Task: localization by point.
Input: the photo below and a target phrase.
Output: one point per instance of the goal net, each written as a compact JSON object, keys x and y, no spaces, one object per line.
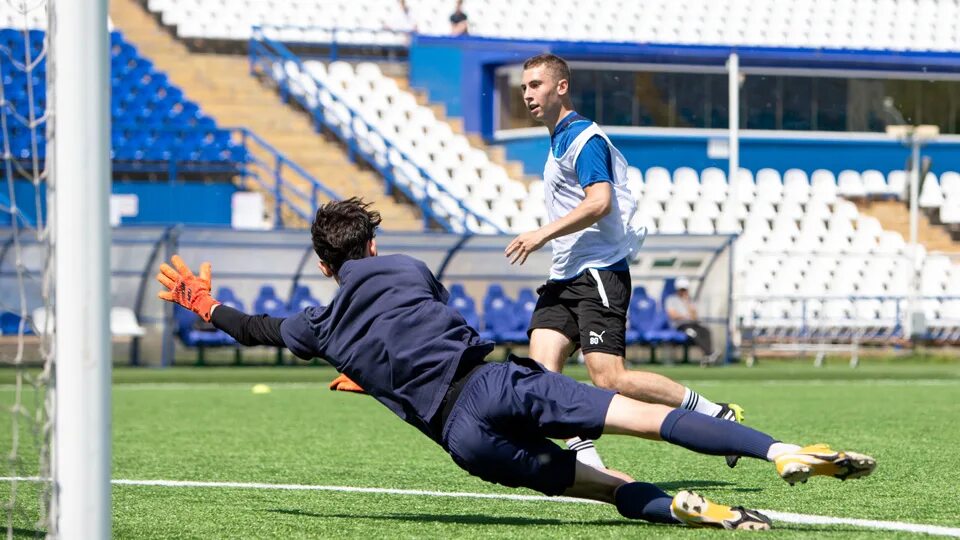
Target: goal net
{"x":54,"y":282}
{"x":26,"y":286}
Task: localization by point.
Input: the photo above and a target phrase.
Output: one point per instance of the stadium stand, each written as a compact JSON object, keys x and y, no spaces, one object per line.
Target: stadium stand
{"x":222,"y":85}
{"x":152,"y":119}
{"x":451,"y":180}
{"x":895,"y":25}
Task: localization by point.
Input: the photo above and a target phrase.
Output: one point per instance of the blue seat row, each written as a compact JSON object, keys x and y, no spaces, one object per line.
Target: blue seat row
{"x":140,"y":96}
{"x":506,"y":320}
{"x":193,"y":332}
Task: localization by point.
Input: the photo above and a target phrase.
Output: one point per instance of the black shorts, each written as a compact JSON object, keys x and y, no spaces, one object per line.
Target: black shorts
{"x":591,"y":310}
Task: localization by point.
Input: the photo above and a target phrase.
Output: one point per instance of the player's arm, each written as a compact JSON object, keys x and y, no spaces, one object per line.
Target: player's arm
{"x":595,"y":205}
{"x":193,"y":292}
{"x":248,"y":330}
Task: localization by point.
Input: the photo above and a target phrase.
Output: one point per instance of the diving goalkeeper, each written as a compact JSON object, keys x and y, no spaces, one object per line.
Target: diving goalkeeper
{"x":389,"y":329}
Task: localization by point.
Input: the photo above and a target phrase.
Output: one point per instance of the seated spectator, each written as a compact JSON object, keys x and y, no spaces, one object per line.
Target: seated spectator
{"x":683,"y":314}
{"x":458,"y":21}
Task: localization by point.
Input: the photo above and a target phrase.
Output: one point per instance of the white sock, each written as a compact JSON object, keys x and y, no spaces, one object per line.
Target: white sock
{"x":695,"y":402}
{"x":586,"y":452}
{"x":779,"y":448}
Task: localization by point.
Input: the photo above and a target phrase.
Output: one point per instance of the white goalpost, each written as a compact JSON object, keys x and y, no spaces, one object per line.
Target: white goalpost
{"x":79,"y":192}
{"x":55,"y":267}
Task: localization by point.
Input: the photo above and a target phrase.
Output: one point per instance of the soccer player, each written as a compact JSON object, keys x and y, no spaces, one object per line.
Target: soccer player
{"x":584,"y":303}
{"x":389,"y":329}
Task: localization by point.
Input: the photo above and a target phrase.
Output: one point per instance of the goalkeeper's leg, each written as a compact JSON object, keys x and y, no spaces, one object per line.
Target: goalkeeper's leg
{"x":709,"y":435}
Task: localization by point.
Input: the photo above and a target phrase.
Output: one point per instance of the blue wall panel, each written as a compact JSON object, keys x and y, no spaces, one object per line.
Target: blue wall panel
{"x":189,"y":203}
{"x":159,"y":203}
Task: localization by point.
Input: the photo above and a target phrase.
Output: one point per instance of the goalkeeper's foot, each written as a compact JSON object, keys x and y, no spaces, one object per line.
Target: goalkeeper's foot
{"x":821,"y":460}
{"x":694,"y":510}
{"x":733,"y":413}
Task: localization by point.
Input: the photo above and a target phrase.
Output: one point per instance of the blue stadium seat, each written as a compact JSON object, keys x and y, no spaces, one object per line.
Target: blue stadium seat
{"x":500,"y":317}
{"x":194,"y":332}
{"x":465,"y":305}
{"x":140,"y":96}
{"x":227,"y":297}
{"x":641,"y":316}
{"x":269,"y":303}
{"x":526,"y":304}
{"x":10,"y":324}
{"x":301,"y":299}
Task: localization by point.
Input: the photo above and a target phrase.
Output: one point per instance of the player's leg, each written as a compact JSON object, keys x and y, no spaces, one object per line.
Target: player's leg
{"x":601,"y":299}
{"x":708,"y":435}
{"x":514,"y":455}
{"x":553,"y":338}
{"x":642,"y":500}
{"x":550,"y":347}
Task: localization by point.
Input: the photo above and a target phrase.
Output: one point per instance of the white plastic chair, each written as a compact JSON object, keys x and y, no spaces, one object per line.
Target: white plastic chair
{"x":850,"y":185}
{"x":930,"y":194}
{"x":123,"y":322}
{"x":713,"y":184}
{"x":769,"y":186}
{"x":874,"y":183}
{"x":823,"y":186}
{"x":897,"y":184}
{"x":658,"y":186}
{"x":686,"y":185}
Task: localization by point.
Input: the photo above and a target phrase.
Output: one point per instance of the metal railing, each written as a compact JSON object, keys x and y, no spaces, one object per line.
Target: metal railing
{"x":292,"y":187}
{"x":399,"y":171}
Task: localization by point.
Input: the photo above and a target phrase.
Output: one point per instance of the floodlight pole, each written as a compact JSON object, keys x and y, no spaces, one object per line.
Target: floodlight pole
{"x":733,"y":106}
{"x":81,"y":236}
{"x":915,"y":136}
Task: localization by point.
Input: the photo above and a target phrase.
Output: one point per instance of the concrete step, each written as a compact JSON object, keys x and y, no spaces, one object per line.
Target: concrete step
{"x":895,"y":216}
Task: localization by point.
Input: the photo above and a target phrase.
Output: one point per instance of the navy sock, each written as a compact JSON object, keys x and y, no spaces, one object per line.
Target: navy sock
{"x":640,"y":500}
{"x":709,"y":435}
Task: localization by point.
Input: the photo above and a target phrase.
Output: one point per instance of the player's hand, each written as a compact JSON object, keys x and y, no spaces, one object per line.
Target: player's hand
{"x":522,"y":246}
{"x":345,"y":384}
{"x":186,"y":289}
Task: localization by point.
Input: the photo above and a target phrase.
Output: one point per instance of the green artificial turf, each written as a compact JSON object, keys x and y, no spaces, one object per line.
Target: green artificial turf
{"x":205,"y":424}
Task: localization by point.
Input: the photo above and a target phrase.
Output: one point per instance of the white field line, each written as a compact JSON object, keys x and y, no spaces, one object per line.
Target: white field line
{"x":786,"y":517}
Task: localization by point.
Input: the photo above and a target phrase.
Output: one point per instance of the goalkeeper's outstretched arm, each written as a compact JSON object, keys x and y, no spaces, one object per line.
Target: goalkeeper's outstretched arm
{"x":193,"y":292}
{"x":248,"y":330}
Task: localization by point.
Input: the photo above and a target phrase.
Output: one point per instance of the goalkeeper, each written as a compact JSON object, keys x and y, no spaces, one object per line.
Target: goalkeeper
{"x":389,"y":329}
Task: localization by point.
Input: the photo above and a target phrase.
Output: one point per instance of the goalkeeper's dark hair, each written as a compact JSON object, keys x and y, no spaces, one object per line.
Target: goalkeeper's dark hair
{"x":341,"y":231}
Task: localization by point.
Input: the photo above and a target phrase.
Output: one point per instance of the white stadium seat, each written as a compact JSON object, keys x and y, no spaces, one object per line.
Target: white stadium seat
{"x":889,"y":25}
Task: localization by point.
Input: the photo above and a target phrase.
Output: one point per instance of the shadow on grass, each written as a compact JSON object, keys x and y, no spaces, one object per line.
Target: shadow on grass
{"x":476,"y":519}
{"x":458,"y":519}
{"x":19,"y":532}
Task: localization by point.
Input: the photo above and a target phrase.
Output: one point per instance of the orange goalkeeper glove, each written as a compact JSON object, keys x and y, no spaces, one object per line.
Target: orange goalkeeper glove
{"x":186,"y":289}
{"x":344,"y":384}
